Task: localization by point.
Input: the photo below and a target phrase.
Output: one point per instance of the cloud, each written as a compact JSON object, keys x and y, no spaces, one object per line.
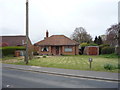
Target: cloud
{"x":58,"y":16}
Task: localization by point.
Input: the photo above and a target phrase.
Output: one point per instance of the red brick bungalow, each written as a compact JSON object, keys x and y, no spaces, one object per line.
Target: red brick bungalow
{"x":56,"y":45}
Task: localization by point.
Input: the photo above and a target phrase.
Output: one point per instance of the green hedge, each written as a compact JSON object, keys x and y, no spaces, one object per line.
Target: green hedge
{"x":92,"y":44}
{"x":102,"y":46}
{"x":107,"y":50}
{"x":88,"y":44}
{"x":10,"y":50}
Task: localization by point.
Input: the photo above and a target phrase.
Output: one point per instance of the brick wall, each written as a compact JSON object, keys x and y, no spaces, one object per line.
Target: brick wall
{"x":52,"y":50}
{"x":74,"y":51}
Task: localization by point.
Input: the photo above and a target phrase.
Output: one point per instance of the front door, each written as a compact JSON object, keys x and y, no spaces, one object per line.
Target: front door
{"x":57,"y":50}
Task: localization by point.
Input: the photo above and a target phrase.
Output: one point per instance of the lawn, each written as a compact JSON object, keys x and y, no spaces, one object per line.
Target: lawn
{"x":11,"y":59}
{"x":79,"y":62}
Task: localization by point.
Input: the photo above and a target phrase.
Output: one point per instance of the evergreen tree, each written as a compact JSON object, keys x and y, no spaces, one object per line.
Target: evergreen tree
{"x":99,"y":41}
{"x":96,"y":40}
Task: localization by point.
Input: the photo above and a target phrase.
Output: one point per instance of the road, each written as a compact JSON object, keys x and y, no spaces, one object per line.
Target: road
{"x":12,"y":78}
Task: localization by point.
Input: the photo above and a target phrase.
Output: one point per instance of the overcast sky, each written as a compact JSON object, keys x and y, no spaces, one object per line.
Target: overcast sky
{"x":59,"y":17}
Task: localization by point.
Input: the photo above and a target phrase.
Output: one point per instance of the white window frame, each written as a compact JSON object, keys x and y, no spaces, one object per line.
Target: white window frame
{"x":68,"y":49}
{"x":42,"y":49}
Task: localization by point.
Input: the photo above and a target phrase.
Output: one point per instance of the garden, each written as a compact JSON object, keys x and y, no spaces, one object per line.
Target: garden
{"x":107,"y":63}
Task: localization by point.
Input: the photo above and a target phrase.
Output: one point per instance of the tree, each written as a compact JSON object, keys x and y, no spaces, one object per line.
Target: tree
{"x":96,"y":40}
{"x":80,"y":35}
{"x":111,"y":34}
{"x":103,"y":37}
{"x":99,"y":41}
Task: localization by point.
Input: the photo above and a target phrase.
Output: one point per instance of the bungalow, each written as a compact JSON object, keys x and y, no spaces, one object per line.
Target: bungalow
{"x":56,"y":45}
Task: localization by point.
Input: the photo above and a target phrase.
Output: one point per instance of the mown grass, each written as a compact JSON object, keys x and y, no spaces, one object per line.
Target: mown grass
{"x":11,"y":59}
{"x":79,"y":62}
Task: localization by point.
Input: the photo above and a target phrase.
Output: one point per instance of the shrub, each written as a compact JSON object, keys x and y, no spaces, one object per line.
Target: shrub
{"x":35,"y":53}
{"x":109,"y":67}
{"x":4,"y":44}
{"x":83,"y":44}
{"x":113,"y":55}
{"x":107,"y":50}
{"x":118,"y":66}
{"x":102,"y":46}
{"x":44,"y":56}
{"x":10,"y":50}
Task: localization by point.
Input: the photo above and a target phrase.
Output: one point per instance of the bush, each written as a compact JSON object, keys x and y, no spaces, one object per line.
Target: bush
{"x":107,"y":50}
{"x":10,"y":50}
{"x":113,"y":55}
{"x":35,"y":53}
{"x":109,"y":67}
{"x":118,"y":66}
{"x":102,"y":46}
{"x":83,"y":44}
{"x":44,"y":56}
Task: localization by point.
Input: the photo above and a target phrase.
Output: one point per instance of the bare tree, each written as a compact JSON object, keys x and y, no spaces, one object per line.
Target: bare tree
{"x":112,"y":34}
{"x":80,"y":35}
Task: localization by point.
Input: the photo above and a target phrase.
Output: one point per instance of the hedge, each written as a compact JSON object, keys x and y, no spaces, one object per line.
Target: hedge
{"x":107,"y":50}
{"x":102,"y":46}
{"x":10,"y":50}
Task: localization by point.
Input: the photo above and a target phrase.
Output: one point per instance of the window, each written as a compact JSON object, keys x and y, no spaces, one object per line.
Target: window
{"x":45,"y":49}
{"x":68,"y":49}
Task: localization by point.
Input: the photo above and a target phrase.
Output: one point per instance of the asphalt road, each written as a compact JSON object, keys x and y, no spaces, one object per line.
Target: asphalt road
{"x":12,"y":78}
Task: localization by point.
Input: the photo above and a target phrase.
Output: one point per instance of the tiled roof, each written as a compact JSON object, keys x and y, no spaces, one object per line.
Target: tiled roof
{"x":13,"y":40}
{"x":57,"y":40}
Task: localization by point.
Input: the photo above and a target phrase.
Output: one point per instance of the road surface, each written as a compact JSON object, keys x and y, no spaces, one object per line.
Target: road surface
{"x":12,"y":78}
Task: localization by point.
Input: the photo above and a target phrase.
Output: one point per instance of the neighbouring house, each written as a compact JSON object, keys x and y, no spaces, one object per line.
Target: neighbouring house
{"x":56,"y":45}
{"x":13,"y":41}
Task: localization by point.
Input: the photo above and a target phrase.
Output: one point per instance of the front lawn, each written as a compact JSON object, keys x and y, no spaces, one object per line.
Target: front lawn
{"x":79,"y":62}
{"x":11,"y":59}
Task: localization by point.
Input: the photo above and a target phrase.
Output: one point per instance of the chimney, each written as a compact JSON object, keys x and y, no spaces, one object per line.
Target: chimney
{"x":47,"y":34}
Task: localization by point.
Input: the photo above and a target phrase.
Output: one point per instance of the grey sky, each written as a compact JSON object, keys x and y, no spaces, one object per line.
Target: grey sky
{"x":57,"y":16}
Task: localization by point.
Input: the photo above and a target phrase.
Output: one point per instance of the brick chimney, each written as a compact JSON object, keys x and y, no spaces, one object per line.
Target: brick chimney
{"x":47,"y":34}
